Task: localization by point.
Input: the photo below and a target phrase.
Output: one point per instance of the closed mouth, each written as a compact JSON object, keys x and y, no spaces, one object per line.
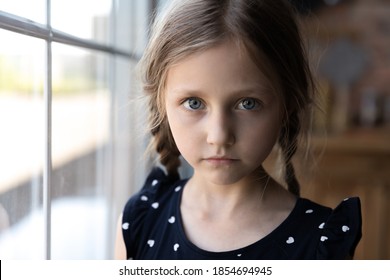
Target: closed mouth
{"x":221,"y":160}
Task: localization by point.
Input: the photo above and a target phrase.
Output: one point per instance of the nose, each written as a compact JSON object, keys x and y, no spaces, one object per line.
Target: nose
{"x":220,"y":129}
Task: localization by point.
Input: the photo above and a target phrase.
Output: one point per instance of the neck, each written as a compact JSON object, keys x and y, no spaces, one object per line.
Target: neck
{"x":214,"y":200}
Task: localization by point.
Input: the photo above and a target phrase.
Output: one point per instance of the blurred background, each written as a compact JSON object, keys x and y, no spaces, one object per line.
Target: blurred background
{"x":349,"y":42}
{"x":71,"y":142}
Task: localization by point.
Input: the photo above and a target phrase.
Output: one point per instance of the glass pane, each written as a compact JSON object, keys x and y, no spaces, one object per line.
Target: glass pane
{"x":130,"y":137}
{"x":81,"y":122}
{"x":21,"y":146}
{"x":88,"y":19}
{"x":132,"y":21}
{"x":32,"y":9}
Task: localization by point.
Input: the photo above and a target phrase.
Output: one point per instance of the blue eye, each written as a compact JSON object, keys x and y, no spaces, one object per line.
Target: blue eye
{"x":248,"y":104}
{"x":193,"y":104}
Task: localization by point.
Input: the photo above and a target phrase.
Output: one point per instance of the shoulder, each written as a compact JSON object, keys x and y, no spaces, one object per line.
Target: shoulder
{"x":341,"y":231}
{"x":314,"y":231}
{"x":155,"y":187}
{"x":139,"y":213}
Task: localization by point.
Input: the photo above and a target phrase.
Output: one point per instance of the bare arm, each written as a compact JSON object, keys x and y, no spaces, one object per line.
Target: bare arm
{"x":120,"y":248}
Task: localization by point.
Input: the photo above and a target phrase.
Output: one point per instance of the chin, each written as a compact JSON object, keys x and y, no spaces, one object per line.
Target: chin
{"x":225,"y":178}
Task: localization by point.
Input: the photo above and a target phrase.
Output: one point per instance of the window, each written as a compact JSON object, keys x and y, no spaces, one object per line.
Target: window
{"x":70,"y":151}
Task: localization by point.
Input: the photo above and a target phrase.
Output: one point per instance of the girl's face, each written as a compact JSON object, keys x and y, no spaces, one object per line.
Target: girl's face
{"x":223,"y":115}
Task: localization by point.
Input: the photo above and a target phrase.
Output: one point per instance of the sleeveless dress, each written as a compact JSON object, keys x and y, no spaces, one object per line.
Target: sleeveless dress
{"x":152,"y":228}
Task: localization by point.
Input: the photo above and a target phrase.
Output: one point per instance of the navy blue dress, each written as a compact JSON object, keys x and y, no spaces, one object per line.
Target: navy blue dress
{"x":152,"y":228}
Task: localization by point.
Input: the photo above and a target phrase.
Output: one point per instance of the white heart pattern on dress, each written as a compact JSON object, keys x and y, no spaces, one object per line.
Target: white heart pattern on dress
{"x":323,"y":238}
{"x":151,"y":243}
{"x":345,"y":228}
{"x":155,"y":182}
{"x":144,"y":198}
{"x":309,"y":211}
{"x":171,"y":220}
{"x":290,"y":240}
{"x":155,"y":205}
{"x":175,"y":247}
{"x":177,"y":188}
{"x":321,"y":226}
{"x":125,"y":226}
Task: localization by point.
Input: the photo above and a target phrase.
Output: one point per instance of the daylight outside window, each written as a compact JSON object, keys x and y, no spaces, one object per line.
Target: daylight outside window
{"x":67,"y":124}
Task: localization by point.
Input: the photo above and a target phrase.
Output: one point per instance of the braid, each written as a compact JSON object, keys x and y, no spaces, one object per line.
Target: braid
{"x":162,"y":140}
{"x":166,"y":148}
{"x":288,"y":142}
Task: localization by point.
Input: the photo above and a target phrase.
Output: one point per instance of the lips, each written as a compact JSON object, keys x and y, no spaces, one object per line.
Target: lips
{"x":218,"y":160}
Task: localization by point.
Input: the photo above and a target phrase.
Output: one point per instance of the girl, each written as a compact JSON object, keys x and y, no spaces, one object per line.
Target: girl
{"x":226,"y":81}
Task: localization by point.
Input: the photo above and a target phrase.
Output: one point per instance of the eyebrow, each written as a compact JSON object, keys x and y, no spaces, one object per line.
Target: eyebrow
{"x":252,"y":90}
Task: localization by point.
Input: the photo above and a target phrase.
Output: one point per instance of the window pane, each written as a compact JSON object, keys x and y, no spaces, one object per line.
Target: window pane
{"x":81,"y":120}
{"x":21,"y":146}
{"x":130,"y":137}
{"x":88,"y":19}
{"x":31,"y":9}
{"x":132,"y":21}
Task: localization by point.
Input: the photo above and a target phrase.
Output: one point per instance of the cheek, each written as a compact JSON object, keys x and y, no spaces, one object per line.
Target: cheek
{"x":182,"y":131}
{"x":174,"y":122}
{"x":258,"y":140}
{"x":186,"y":142}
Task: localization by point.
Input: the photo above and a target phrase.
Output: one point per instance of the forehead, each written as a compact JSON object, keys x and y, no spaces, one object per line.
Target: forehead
{"x":228,"y":65}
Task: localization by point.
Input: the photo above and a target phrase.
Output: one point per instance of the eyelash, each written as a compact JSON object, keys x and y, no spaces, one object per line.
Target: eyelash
{"x":186,"y":104}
